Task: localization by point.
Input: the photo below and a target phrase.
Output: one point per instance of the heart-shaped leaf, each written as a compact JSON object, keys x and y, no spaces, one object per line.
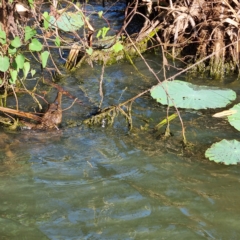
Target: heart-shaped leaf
{"x":35,"y":45}
{"x":44,"y":57}
{"x":13,"y":74}
{"x":16,"y":42}
{"x":19,"y":61}
{"x":4,"y":63}
{"x":29,"y":33}
{"x":26,"y":68}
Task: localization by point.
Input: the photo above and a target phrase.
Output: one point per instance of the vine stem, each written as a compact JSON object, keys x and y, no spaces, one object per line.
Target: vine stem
{"x":170,"y":78}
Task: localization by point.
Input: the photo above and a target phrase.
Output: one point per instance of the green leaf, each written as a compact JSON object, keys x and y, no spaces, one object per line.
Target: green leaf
{"x":89,"y":51}
{"x":26,"y":69}
{"x":35,"y":45}
{"x":225,"y":151}
{"x":44,"y":57}
{"x":14,"y":74}
{"x":31,"y":3}
{"x":104,"y":31}
{"x":68,"y":21}
{"x":4,"y":63}
{"x":29,"y":33}
{"x":100,"y":13}
{"x":46,"y":19}
{"x":99,"y":33}
{"x":117,"y":47}
{"x":12,"y":50}
{"x":33,"y":72}
{"x":234,"y":119}
{"x":187,"y":95}
{"x":16,"y":42}
{"x":19,"y":61}
{"x":57,"y":41}
{"x":2,"y":37}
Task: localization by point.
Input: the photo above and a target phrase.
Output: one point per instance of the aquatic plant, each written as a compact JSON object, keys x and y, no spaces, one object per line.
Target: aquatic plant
{"x":187,"y":95}
{"x":225,"y":151}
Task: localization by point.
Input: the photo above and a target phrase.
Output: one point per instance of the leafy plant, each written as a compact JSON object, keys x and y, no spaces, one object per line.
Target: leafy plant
{"x":234,"y":119}
{"x":225,"y":151}
{"x":117,"y":47}
{"x":67,"y":21}
{"x":186,"y":95}
{"x":102,"y":32}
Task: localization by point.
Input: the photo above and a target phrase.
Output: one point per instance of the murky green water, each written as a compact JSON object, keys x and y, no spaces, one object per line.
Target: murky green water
{"x":106,"y":183}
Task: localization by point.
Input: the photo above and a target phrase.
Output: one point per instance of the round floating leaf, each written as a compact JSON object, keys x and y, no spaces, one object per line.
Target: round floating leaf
{"x":225,"y":151}
{"x":68,"y":21}
{"x":187,"y":95}
{"x":4,"y":63}
{"x":234,"y":119}
{"x":35,"y":45}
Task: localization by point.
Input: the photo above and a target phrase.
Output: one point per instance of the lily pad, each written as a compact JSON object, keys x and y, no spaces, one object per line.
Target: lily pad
{"x":225,"y":151}
{"x":234,"y":119}
{"x":187,"y":95}
{"x":68,"y":21}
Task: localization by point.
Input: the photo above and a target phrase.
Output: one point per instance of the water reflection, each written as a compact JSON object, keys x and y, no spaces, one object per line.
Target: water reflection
{"x":104,"y":183}
{"x":96,"y":184}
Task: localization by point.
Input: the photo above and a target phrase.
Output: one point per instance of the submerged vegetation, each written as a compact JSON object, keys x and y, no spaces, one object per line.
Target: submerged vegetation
{"x":202,"y":35}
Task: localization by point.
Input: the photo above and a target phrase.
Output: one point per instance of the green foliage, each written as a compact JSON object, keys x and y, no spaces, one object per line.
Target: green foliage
{"x":33,"y":72}
{"x":31,"y":3}
{"x":103,"y":32}
{"x":225,"y":151}
{"x":187,"y":95}
{"x":89,"y":51}
{"x":11,"y":50}
{"x":46,"y":19}
{"x":26,"y":68}
{"x":117,"y":47}
{"x":35,"y":45}
{"x":16,"y":42}
{"x":13,"y":74}
{"x":19,"y":60}
{"x":2,"y":37}
{"x":100,"y":14}
{"x":29,"y":33}
{"x":4,"y":63}
{"x":68,"y":21}
{"x":57,"y":41}
{"x":44,"y":57}
{"x":234,"y":119}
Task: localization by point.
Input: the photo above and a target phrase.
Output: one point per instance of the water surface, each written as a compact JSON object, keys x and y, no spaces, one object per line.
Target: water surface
{"x":108,"y":183}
